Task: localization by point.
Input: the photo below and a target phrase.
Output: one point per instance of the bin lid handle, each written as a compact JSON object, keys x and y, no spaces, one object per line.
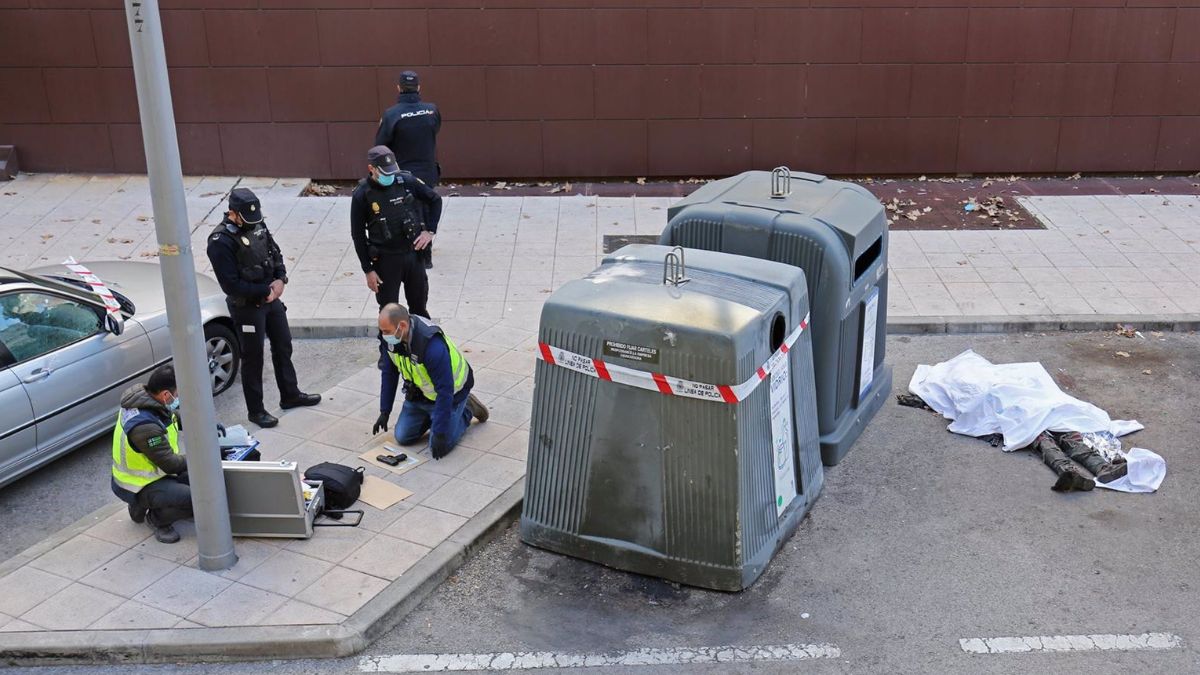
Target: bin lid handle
{"x":781,"y":182}
{"x":674,"y":271}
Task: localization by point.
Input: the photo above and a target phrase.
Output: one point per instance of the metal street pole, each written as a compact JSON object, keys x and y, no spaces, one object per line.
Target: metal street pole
{"x":207,"y":479}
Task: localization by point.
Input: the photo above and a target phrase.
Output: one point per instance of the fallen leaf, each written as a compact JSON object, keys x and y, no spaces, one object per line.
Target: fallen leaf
{"x":1126,"y":330}
{"x":1147,"y":372}
{"x":1123,"y":355}
{"x":1074,"y":176}
{"x":641,"y":181}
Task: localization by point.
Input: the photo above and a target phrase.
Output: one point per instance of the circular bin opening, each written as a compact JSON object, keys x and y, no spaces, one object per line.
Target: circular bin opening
{"x":778,"y":332}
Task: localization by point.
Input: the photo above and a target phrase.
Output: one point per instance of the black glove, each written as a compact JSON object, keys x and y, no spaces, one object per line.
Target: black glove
{"x":439,"y":445}
{"x":381,"y":422}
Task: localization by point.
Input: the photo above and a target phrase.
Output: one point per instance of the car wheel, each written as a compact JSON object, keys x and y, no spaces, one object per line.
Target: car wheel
{"x":224,"y":356}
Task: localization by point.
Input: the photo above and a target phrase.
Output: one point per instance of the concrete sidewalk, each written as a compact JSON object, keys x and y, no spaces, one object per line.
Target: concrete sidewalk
{"x":105,"y":591}
{"x":1101,"y":258}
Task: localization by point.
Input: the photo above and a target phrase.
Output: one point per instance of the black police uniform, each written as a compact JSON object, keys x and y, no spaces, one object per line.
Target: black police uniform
{"x":409,"y":129}
{"x":245,"y":262}
{"x":384,"y":222}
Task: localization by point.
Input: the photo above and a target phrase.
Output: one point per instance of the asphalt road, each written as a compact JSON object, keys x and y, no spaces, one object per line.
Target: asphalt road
{"x":921,"y":538}
{"x":77,"y":484}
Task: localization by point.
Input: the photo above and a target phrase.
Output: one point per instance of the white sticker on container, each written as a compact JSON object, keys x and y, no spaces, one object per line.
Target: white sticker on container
{"x":866,"y":368}
{"x":783,"y":440}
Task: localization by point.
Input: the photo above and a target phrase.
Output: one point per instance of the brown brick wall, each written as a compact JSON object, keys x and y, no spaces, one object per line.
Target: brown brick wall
{"x":574,"y":88}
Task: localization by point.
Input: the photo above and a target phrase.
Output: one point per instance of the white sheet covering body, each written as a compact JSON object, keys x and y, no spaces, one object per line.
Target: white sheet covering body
{"x":1020,"y":401}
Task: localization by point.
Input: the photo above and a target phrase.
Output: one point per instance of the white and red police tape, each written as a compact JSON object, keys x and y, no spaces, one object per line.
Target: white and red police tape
{"x":97,"y":285}
{"x":671,"y":386}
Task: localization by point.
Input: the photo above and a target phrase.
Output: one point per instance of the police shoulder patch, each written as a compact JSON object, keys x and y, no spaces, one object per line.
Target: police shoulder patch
{"x":155,"y":440}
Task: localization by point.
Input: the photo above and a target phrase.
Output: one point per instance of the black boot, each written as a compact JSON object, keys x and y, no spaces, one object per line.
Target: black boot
{"x":302,"y":400}
{"x":264,"y":419}
{"x":1072,"y":479}
{"x":164,"y":534}
{"x":137,"y":512}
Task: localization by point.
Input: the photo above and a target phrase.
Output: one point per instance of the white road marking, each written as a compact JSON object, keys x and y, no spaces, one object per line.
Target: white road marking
{"x":1070,"y":643}
{"x":432,"y":663}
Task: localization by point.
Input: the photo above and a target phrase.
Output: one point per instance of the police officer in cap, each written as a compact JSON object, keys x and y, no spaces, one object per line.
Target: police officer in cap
{"x":409,"y":129}
{"x":249,"y":266}
{"x":389,"y":227}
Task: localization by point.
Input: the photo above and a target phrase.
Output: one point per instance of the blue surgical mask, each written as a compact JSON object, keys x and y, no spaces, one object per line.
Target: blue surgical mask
{"x":174,"y":404}
{"x":385,"y":179}
{"x":391,"y":340}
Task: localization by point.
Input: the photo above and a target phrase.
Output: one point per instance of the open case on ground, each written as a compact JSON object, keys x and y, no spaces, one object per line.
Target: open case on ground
{"x":268,"y":499}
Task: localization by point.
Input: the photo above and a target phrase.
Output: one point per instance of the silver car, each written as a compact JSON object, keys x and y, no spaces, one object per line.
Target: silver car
{"x":64,"y":362}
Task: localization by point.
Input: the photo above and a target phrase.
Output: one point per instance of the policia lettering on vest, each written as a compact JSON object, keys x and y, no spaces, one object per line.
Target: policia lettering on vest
{"x":149,"y":472}
{"x":437,"y":383}
{"x":249,"y":266}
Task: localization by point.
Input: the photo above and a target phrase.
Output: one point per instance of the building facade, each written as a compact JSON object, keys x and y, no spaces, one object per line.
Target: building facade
{"x":575,"y":88}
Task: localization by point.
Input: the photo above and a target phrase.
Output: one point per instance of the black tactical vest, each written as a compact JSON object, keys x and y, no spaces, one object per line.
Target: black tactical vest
{"x":393,"y":215}
{"x":253,"y":250}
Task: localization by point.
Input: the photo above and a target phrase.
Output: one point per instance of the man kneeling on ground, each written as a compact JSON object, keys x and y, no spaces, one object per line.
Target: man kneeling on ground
{"x":437,"y":383}
{"x":148,"y":471}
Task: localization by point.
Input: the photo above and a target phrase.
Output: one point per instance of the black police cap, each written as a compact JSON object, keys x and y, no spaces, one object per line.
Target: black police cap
{"x":245,"y":203}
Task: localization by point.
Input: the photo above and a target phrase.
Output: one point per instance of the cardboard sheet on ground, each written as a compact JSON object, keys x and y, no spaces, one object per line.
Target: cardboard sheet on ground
{"x":381,"y":494}
{"x":407,"y":465}
{"x":1020,"y":401}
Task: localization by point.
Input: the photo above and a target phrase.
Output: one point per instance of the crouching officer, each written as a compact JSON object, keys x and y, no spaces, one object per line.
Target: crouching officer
{"x":437,"y":383}
{"x":389,"y":228}
{"x":148,"y":471}
{"x":249,"y":266}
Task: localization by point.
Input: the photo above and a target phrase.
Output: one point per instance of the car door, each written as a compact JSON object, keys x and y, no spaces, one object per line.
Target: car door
{"x":71,"y":368}
{"x":18,"y":440}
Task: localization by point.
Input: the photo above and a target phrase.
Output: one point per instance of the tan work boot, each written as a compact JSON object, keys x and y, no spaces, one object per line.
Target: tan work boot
{"x":478,"y":410}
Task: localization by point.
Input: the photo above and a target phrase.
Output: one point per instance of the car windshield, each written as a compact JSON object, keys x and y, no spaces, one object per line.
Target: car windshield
{"x":126,"y":304}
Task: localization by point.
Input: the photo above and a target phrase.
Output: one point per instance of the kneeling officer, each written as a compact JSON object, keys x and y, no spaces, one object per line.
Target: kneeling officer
{"x":437,"y":383}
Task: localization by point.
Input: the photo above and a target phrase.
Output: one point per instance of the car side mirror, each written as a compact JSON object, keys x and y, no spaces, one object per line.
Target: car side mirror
{"x":114,"y":323}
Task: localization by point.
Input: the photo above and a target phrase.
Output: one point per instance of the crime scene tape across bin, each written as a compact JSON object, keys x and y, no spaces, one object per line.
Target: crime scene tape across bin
{"x":665,"y":384}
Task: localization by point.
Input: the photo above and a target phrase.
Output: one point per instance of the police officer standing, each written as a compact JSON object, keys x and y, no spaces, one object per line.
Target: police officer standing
{"x":409,"y":129}
{"x":389,"y":227}
{"x":249,"y":266}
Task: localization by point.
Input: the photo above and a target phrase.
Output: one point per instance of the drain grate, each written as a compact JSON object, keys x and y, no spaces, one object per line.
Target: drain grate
{"x":613,"y":242}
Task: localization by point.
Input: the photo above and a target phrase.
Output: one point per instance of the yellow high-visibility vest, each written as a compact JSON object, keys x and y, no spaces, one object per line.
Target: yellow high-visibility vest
{"x":418,"y":375}
{"x":131,"y":469}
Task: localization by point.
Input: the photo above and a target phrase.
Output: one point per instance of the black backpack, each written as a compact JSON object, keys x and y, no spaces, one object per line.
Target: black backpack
{"x":343,"y":484}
